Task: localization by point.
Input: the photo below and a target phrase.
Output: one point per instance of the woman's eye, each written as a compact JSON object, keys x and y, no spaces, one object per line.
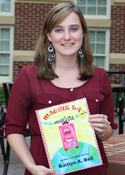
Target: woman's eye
{"x":58,"y":30}
{"x":73,"y":29}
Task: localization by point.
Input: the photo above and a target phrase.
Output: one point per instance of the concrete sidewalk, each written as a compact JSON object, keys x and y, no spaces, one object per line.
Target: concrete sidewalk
{"x":17,"y":168}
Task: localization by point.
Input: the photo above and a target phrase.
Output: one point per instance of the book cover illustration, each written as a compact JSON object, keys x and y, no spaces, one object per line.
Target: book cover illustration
{"x":68,"y":137}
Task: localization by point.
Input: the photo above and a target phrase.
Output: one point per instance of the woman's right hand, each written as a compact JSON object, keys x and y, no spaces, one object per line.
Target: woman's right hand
{"x":19,"y":146}
{"x":41,"y":170}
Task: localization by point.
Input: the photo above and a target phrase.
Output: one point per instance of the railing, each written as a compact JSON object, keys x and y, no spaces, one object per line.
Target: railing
{"x":5,"y":147}
{"x":120,"y":103}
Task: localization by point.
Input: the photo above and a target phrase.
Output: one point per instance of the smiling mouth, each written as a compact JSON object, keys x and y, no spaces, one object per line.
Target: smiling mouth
{"x":67,"y":45}
{"x":68,"y":140}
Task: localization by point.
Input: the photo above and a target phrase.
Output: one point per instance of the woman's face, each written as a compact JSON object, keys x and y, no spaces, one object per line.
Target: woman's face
{"x":67,"y":37}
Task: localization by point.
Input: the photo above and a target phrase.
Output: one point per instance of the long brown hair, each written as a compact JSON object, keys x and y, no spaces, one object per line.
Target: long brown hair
{"x":56,"y":15}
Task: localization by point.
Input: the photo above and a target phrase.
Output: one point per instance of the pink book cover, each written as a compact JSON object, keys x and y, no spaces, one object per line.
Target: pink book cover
{"x":68,"y":137}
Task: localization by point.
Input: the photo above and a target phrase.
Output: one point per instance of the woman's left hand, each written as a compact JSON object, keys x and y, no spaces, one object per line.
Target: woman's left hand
{"x":99,"y":123}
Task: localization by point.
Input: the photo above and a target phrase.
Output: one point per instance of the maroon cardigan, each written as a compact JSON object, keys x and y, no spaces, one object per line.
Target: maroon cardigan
{"x":30,"y":93}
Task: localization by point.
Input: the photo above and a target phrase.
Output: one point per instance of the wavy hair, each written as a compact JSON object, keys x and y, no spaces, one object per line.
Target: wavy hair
{"x":56,"y":15}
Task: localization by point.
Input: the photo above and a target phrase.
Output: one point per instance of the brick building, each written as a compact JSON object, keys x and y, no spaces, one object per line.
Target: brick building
{"x":21,"y":22}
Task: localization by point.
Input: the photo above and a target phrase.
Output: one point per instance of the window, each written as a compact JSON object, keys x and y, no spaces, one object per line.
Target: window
{"x":94,"y":8}
{"x":6,"y":7}
{"x":6,"y":52}
{"x":99,"y":39}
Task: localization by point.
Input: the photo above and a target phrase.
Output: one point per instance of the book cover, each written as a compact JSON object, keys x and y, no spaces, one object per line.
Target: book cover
{"x":68,"y":137}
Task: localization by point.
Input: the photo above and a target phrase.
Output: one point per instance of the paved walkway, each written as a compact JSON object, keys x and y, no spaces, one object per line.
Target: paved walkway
{"x":16,"y":167}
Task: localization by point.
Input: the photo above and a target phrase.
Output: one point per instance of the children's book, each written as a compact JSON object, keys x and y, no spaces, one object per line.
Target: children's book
{"x":68,"y":137}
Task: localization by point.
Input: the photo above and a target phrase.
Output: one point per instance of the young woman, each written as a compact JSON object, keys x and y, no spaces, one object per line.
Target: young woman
{"x":62,"y":72}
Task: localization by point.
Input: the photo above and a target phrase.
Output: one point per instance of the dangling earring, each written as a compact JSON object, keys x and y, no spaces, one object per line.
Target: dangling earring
{"x":81,"y":55}
{"x":51,"y":54}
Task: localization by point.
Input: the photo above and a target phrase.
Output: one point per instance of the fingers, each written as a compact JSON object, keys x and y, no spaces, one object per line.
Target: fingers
{"x":99,"y":123}
{"x":99,"y":126}
{"x":98,"y":119}
{"x":41,"y":170}
{"x":53,"y":172}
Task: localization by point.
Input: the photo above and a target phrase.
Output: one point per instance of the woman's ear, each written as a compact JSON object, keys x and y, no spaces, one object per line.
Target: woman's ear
{"x":48,"y":36}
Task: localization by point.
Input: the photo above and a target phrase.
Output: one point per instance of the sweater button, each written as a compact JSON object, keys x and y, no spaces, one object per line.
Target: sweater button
{"x":71,"y":89}
{"x":97,"y":100}
{"x":49,"y":101}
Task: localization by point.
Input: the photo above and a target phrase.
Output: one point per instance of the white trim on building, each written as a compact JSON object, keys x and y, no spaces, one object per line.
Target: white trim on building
{"x":96,"y":16}
{"x":9,"y":53}
{"x":12,"y":7}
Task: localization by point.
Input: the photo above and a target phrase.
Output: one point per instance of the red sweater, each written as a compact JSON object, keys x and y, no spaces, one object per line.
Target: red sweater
{"x":30,"y":93}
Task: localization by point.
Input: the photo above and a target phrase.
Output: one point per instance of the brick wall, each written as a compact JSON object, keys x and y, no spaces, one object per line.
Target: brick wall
{"x":17,"y":65}
{"x":116,"y":78}
{"x":29,"y":18}
{"x":117,"y":40}
{"x":117,"y":29}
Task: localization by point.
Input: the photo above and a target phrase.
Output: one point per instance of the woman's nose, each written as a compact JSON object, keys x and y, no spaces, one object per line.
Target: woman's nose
{"x":67,"y":35}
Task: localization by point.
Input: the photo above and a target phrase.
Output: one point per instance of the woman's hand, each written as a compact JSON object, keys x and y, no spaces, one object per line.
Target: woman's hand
{"x":41,"y":170}
{"x":19,"y":146}
{"x":100,"y":124}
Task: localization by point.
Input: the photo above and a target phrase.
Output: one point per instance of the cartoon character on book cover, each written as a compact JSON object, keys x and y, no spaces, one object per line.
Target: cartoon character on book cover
{"x":68,"y":135}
